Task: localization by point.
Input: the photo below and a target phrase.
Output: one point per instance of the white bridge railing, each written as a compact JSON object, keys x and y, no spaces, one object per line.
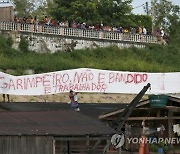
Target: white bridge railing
{"x":74,"y":32}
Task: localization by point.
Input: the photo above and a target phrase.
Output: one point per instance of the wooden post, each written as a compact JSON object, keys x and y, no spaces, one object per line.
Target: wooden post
{"x":69,"y":147}
{"x":54,"y":146}
{"x":119,"y":150}
{"x":158,"y":113}
{"x":170,"y":125}
{"x":87,"y":140}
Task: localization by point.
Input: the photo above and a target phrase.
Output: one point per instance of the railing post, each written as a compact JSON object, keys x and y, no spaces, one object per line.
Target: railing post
{"x":14,"y":26}
{"x":80,"y":33}
{"x":18,"y":27}
{"x":147,"y":39}
{"x":120,"y":36}
{"x":31,"y":28}
{"x":101,"y":34}
{"x":61,"y":30}
{"x":39,"y":27}
{"x":142,"y":38}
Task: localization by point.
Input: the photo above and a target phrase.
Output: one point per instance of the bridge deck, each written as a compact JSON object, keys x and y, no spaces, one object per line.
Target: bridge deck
{"x":75,"y":32}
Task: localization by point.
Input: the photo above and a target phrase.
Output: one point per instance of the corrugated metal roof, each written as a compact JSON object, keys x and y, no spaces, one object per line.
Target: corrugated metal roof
{"x":56,"y":123}
{"x":91,"y":109}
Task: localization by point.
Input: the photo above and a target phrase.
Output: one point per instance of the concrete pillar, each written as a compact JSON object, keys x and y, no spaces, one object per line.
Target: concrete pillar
{"x":39,"y":28}
{"x":61,"y":30}
{"x":31,"y":27}
{"x":18,"y":27}
{"x":101,"y":34}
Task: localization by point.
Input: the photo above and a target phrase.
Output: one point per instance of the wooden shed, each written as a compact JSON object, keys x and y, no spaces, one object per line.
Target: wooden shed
{"x":6,"y":11}
{"x":158,"y":122}
{"x":51,"y":132}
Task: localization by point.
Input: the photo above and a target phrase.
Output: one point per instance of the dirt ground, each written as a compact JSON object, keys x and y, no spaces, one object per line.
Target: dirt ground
{"x":82,"y":98}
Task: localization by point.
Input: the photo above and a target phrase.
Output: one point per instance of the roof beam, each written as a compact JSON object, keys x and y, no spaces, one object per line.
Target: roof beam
{"x":81,"y":138}
{"x":152,"y":118}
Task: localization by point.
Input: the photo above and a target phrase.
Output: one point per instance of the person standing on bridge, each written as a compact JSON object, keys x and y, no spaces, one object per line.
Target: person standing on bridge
{"x":74,"y":100}
{"x":144,"y":31}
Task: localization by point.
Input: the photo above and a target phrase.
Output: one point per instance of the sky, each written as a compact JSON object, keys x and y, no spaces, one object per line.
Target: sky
{"x":140,"y":10}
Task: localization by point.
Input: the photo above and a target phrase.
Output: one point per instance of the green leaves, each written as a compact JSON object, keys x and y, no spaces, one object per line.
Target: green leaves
{"x":24,"y":7}
{"x":174,"y":30}
{"x":94,"y":11}
{"x":23,"y":45}
{"x":167,"y":16}
{"x":162,"y":10}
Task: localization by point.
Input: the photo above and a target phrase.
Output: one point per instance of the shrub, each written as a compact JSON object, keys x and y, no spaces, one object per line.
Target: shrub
{"x":9,"y":41}
{"x":23,"y":45}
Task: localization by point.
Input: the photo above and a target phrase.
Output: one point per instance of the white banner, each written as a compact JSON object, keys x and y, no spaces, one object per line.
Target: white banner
{"x":89,"y":80}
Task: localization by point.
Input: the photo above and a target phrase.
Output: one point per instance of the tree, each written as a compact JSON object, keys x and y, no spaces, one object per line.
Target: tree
{"x":90,"y":11}
{"x":24,"y":7}
{"x":167,"y":16}
{"x":78,"y":10}
{"x":42,"y":8}
{"x":162,"y":11}
{"x":174,"y":30}
{"x":113,"y":12}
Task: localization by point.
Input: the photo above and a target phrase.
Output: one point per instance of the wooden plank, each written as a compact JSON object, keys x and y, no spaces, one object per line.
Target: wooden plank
{"x":173,"y":108}
{"x":144,"y":102}
{"x":96,"y":144}
{"x":149,"y":108}
{"x":81,"y":138}
{"x":170,"y":124}
{"x":153,"y":118}
{"x":141,"y":103}
{"x":111,"y":114}
{"x":25,"y":145}
{"x":175,"y":99}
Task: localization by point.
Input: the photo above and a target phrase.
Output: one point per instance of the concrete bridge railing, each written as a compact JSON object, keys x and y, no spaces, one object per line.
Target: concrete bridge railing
{"x":74,"y":32}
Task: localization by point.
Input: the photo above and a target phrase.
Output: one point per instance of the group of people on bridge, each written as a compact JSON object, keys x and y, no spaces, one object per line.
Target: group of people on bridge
{"x":51,"y":22}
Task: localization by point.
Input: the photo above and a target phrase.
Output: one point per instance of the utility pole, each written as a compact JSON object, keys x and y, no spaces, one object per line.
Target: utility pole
{"x":153,"y":13}
{"x":147,"y":8}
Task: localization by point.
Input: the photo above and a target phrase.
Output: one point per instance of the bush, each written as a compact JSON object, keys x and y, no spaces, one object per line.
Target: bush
{"x":9,"y":41}
{"x":23,"y":45}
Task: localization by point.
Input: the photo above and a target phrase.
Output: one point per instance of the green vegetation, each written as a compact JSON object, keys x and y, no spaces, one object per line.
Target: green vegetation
{"x":109,"y":12}
{"x":91,"y":12}
{"x":164,"y":13}
{"x":23,"y":45}
{"x":154,"y":147}
{"x":137,"y":21}
{"x":153,"y":58}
